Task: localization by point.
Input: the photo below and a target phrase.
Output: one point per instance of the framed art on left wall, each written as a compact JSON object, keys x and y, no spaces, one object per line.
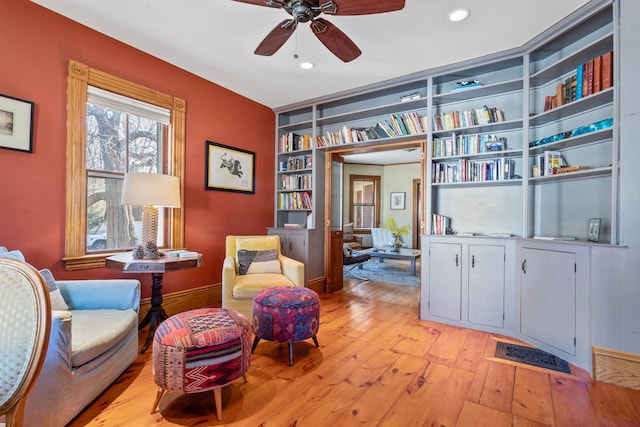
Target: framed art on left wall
{"x":229,"y":168}
{"x":16,"y":123}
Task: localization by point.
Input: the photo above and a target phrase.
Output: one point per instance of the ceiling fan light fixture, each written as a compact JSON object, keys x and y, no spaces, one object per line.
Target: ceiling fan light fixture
{"x":458,"y":15}
{"x":307,"y":65}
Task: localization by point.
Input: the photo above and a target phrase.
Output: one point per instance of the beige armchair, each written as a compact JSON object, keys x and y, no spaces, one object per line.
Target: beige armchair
{"x":253,"y":263}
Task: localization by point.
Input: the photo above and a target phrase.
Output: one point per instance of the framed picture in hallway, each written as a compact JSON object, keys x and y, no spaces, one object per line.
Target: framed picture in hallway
{"x":397,"y":200}
{"x":16,"y":123}
{"x":229,"y":169}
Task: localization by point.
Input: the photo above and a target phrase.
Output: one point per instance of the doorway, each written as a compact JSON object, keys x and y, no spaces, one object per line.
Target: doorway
{"x":334,"y":221}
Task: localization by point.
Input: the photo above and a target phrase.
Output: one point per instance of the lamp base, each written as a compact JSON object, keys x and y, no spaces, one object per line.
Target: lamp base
{"x":149,"y":225}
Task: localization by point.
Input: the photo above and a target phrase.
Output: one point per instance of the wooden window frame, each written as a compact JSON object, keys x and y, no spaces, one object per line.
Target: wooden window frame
{"x":376,"y":179}
{"x":79,"y":77}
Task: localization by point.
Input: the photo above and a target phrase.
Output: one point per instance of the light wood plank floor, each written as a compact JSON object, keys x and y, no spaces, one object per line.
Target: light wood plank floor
{"x":377,"y":365}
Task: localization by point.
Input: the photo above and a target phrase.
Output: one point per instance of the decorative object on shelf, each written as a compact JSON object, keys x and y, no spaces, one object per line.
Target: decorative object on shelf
{"x":229,"y":169}
{"x":594,"y":229}
{"x":16,"y":123}
{"x":593,"y":127}
{"x":410,"y":97}
{"x":330,"y":36}
{"x":499,"y":145}
{"x":151,"y":251}
{"x":467,"y":84}
{"x":391,"y":225}
{"x":398,"y":201}
{"x":138,"y":252}
{"x":151,"y":190}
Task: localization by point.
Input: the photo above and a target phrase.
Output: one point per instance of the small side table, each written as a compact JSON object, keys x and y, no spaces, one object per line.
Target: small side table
{"x":157,"y":267}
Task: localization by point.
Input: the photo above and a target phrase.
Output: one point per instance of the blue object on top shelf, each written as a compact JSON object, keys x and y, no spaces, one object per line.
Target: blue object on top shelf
{"x":467,"y":84}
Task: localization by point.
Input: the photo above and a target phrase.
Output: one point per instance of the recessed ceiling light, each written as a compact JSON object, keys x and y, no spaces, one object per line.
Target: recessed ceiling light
{"x":306,"y":65}
{"x":458,"y":15}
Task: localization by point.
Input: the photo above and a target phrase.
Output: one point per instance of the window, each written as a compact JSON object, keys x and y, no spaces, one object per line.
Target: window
{"x":134,"y":130}
{"x":365,"y":201}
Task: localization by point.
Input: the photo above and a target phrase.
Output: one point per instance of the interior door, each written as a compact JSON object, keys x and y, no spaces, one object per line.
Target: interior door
{"x":333,"y":226}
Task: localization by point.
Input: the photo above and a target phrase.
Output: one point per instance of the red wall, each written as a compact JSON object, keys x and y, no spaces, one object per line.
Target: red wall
{"x":35,"y":47}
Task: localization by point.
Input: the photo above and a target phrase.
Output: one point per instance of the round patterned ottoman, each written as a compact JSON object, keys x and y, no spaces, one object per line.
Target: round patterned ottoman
{"x":201,"y":350}
{"x":286,"y":314}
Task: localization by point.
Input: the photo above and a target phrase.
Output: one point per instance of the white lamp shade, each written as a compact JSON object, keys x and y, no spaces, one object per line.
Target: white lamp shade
{"x":151,"y":189}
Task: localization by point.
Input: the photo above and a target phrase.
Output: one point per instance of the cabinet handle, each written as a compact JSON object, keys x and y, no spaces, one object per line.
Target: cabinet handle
{"x":473,"y":261}
{"x":524,"y":266}
{"x":289,"y":246}
{"x":456,"y":260}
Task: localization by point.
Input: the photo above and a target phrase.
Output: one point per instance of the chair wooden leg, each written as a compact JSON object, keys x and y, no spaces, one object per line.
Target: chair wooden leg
{"x":217,"y":396}
{"x":244,"y":376}
{"x":256,"y":340}
{"x":315,"y":341}
{"x":159,"y":395}
{"x":290,"y":354}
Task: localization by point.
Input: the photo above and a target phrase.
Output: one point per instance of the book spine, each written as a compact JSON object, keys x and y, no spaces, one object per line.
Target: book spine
{"x":607,"y":71}
{"x":579,"y":81}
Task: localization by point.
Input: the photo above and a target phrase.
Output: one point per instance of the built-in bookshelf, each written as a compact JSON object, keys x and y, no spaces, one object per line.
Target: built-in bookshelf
{"x":571,"y":150}
{"x":489,"y":125}
{"x":295,"y":169}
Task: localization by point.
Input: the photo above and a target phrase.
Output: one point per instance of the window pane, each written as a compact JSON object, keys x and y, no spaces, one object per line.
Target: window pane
{"x":118,"y":142}
{"x":144,"y":145}
{"x":105,"y":139}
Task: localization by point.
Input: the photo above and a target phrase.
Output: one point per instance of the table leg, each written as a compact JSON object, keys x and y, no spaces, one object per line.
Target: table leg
{"x":156,"y":313}
{"x":413,"y":266}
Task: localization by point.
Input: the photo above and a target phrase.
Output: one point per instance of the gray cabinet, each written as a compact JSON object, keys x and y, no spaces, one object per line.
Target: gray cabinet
{"x":465,"y":282}
{"x":306,"y":246}
{"x":445,"y":281}
{"x":553,"y":307}
{"x":486,"y":285}
{"x":548,"y":297}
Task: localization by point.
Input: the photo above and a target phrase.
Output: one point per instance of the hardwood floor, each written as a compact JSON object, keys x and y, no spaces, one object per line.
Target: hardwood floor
{"x":377,"y":365}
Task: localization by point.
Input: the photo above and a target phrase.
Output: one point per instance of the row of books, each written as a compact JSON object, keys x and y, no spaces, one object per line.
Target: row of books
{"x":296,"y":163}
{"x":297,"y":200}
{"x":473,"y":171}
{"x":293,"y":142}
{"x":591,"y":77}
{"x":459,"y":145}
{"x":408,"y":123}
{"x":440,"y":224}
{"x":295,"y":182}
{"x":467,"y":118}
{"x":547,"y":163}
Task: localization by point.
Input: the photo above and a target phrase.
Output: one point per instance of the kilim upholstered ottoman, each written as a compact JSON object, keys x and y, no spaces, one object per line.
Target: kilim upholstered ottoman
{"x":201,"y":350}
{"x":286,"y":314}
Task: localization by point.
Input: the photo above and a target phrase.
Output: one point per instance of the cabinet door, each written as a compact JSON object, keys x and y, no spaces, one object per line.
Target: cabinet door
{"x":486,"y":285}
{"x":548,"y":297}
{"x":445,"y":280}
{"x":295,"y":247}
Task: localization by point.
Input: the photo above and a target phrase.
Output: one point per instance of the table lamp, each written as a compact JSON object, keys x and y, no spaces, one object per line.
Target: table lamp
{"x":151,"y":190}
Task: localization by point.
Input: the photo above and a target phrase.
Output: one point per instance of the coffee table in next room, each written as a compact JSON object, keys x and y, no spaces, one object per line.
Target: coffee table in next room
{"x":409,"y":254}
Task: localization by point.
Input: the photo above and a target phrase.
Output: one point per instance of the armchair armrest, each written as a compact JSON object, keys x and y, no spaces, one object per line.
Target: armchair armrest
{"x":293,"y":269}
{"x":228,"y":276}
{"x":59,"y":349}
{"x":119,"y":294}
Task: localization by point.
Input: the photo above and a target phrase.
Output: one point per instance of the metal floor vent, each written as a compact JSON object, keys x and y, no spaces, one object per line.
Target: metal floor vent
{"x":531,"y":356}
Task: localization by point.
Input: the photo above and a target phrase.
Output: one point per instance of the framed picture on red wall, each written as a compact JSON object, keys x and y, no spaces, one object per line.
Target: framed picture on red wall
{"x":16,"y":123}
{"x":229,"y":169}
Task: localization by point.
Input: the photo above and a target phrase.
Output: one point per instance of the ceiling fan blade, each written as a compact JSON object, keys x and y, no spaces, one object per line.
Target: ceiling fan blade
{"x":276,"y":38}
{"x":335,"y":40}
{"x":268,"y":3}
{"x":364,"y":7}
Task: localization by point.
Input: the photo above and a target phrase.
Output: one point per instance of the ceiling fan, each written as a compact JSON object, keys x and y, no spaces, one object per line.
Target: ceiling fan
{"x":309,"y":10}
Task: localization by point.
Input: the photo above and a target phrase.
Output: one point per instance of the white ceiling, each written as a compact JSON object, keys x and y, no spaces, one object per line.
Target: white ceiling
{"x":215,"y":39}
